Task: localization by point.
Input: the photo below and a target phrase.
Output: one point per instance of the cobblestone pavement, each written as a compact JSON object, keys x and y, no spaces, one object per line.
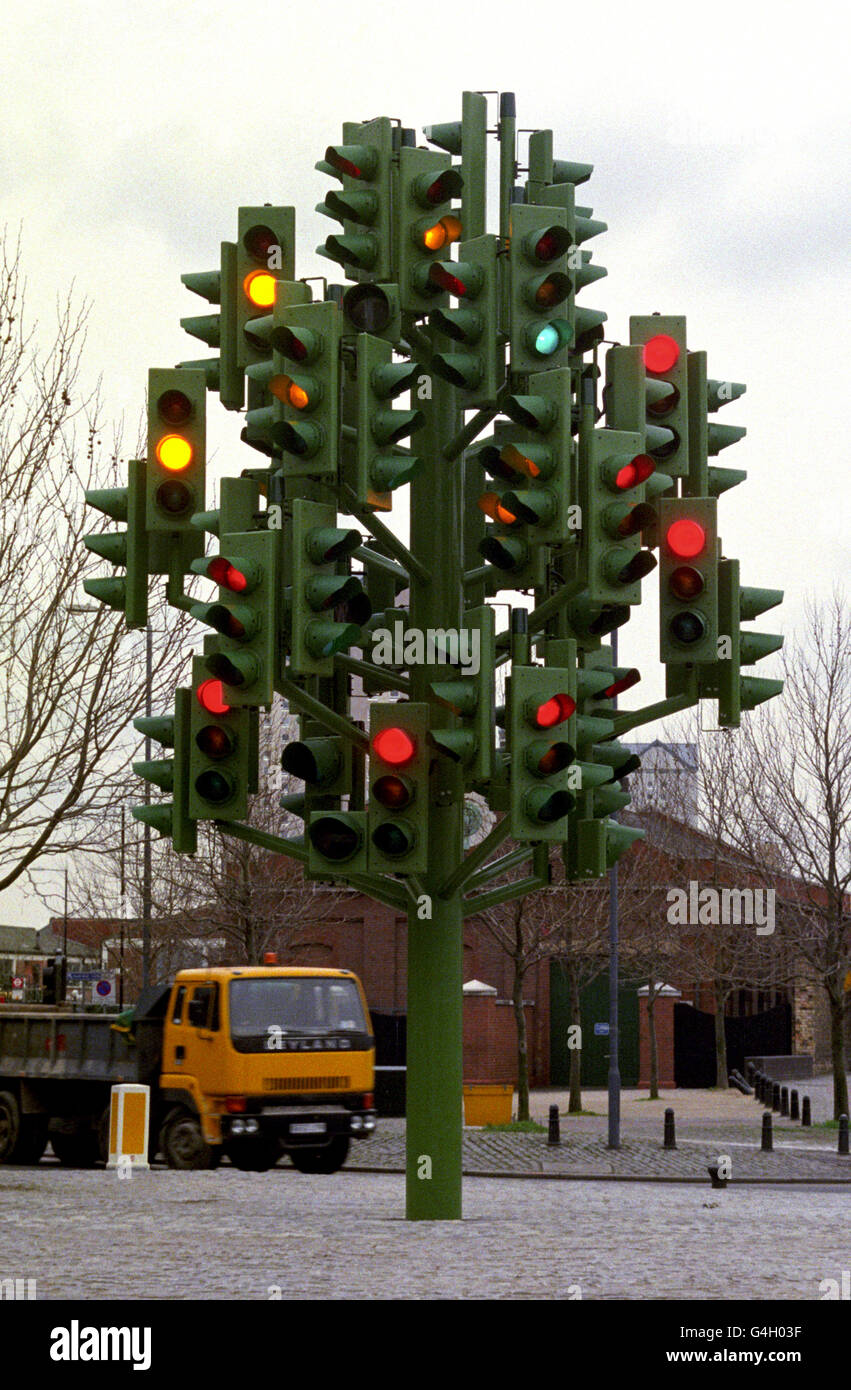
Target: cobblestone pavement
{"x":585,"y":1154}
{"x":232,"y":1235}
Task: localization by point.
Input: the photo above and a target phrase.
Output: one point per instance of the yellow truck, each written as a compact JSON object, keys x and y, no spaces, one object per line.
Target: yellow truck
{"x":247,"y":1061}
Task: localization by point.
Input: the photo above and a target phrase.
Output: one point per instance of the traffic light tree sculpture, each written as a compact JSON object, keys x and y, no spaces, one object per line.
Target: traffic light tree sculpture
{"x":463,"y":365}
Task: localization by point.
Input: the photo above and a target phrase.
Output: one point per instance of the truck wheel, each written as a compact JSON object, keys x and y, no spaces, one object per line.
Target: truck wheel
{"x":10,"y":1128}
{"x":77,"y":1149}
{"x":325,"y":1160}
{"x":254,"y":1155}
{"x":183,"y":1144}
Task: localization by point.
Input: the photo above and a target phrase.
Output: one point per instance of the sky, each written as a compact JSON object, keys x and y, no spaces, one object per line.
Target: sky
{"x":129,"y":135}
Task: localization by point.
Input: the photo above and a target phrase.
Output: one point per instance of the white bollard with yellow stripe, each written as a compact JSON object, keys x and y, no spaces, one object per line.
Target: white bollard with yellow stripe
{"x":129,"y":1123}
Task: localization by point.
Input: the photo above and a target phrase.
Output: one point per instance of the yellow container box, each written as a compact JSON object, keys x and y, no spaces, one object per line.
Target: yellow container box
{"x":487,"y":1103}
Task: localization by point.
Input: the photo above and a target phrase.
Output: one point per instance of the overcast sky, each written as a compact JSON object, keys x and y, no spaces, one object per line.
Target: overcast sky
{"x":130,"y":134}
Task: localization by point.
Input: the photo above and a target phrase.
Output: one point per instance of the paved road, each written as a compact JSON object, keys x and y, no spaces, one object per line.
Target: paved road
{"x":798,"y":1155}
{"x":237,"y":1235}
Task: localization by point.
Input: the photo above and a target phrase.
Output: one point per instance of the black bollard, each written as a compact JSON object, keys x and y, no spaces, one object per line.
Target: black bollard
{"x":763,"y":1082}
{"x":806,"y":1118}
{"x":670,"y":1130}
{"x":784,"y":1100}
{"x":775,"y":1096}
{"x":843,"y":1134}
{"x":767,"y":1139}
{"x":794,"y":1107}
{"x":713,"y":1170}
{"x":553,"y":1133}
{"x":750,"y":1073}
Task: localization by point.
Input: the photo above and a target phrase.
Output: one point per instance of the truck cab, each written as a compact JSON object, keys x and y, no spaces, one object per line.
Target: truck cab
{"x":259,"y":1060}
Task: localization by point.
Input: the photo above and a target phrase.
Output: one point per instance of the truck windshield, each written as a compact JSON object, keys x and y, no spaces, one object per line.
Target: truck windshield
{"x":318,"y":1004}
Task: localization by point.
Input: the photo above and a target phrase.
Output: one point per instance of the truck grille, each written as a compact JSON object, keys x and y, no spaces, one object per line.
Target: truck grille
{"x":307,"y":1083}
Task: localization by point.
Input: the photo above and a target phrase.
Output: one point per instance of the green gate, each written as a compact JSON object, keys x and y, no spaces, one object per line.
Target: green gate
{"x":594,"y":1011}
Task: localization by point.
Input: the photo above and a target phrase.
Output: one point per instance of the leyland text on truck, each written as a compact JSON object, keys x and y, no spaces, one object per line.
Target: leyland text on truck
{"x":248,"y":1061}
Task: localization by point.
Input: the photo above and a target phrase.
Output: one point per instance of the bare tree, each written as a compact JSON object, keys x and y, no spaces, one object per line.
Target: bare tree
{"x":70,"y":681}
{"x":795,"y":796}
{"x":231,"y":901}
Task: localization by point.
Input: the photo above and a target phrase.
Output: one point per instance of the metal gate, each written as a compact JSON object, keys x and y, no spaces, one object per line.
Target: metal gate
{"x":768,"y":1034}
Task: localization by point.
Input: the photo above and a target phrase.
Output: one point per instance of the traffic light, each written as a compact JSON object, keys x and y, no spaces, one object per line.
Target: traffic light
{"x":324,"y":763}
{"x":264,"y":417}
{"x":737,"y":648}
{"x":328,"y":607}
{"x":49,"y":982}
{"x":381,"y":467}
{"x":614,"y":470}
{"x":398,"y":805}
{"x":688,"y":579}
{"x":595,"y":842}
{"x":220,"y":750}
{"x":336,"y":843}
{"x":222,"y":373}
{"x":539,"y":707}
{"x":540,"y":296}
{"x":305,"y":381}
{"x":538,"y":465}
{"x":176,"y":463}
{"x":245,"y":615}
{"x":477,"y":366}
{"x":425,"y":226}
{"x":663,"y":342}
{"x":506,"y":543}
{"x":265,"y":254}
{"x":373,"y":309}
{"x":172,"y":818}
{"x":362,"y":164}
{"x":128,"y":548}
{"x":471,"y":699}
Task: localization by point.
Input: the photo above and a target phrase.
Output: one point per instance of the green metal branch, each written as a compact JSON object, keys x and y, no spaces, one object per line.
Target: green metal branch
{"x":508,"y":893}
{"x":306,"y":704}
{"x":630,"y":719}
{"x":410,"y":564}
{"x":501,"y":866}
{"x":293,"y":849}
{"x":174,"y":594}
{"x":386,"y":676}
{"x":477,"y":856}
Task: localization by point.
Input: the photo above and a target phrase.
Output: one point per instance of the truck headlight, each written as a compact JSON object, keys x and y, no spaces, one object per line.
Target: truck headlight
{"x":251,"y":1126}
{"x":237,"y":1126}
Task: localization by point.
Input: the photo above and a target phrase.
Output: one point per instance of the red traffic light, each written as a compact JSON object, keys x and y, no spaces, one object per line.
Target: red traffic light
{"x":260,"y":241}
{"x":174,"y":406}
{"x":553,"y":711}
{"x":686,"y":583}
{"x":215,"y":742}
{"x":685,"y":538}
{"x":211,"y":697}
{"x":394,"y":746}
{"x":226,"y":575}
{"x":394,"y":793}
{"x":637,"y":471}
{"x":625,"y":682}
{"x":661,"y":353}
{"x":551,"y":243}
{"x":439,"y":275}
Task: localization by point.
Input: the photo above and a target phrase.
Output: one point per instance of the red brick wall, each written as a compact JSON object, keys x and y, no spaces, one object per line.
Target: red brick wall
{"x":490,"y":1039}
{"x":368,"y":938}
{"x":664,"y":1014}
